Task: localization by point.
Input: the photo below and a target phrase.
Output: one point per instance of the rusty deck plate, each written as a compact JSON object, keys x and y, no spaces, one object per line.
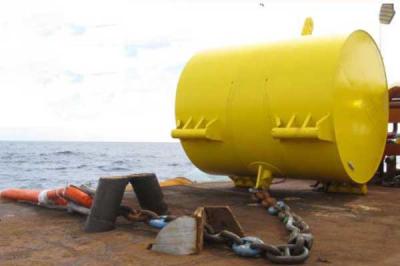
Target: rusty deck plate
{"x":348,"y":229}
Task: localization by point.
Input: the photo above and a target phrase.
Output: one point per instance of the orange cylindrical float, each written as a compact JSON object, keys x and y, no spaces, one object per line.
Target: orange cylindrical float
{"x":78,"y":196}
{"x":59,"y":197}
{"x":21,"y":195}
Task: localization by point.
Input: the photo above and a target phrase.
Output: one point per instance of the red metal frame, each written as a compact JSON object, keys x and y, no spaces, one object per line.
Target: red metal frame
{"x":392,"y":148}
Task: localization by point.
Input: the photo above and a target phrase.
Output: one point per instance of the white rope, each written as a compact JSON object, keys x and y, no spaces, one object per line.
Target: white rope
{"x":43,"y":199}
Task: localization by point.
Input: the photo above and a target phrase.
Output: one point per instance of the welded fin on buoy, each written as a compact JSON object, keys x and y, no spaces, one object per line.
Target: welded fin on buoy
{"x":308,"y":27}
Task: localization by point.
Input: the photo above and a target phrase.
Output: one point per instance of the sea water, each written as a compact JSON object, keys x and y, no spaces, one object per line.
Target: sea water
{"x":54,"y":164}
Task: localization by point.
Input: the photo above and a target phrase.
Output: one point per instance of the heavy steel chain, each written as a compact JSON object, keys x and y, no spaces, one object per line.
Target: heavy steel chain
{"x":297,"y":250}
{"x":146,"y":216}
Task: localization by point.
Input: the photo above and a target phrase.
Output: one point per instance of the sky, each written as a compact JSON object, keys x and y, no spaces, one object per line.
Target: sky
{"x":108,"y":70}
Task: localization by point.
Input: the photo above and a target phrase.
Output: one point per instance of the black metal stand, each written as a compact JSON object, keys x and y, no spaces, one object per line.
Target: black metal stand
{"x":109,"y":194}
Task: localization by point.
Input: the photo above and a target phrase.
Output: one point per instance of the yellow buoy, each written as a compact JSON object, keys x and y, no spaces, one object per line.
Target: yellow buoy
{"x":312,"y":108}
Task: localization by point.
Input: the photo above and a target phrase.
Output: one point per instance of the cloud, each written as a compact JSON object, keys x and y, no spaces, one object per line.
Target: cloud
{"x":76,"y":29}
{"x":90,"y":74}
{"x":44,"y":72}
{"x":132,"y":49}
{"x":45,"y":24}
{"x":156,"y":44}
{"x":105,"y":25}
{"x":73,"y":77}
{"x":175,"y":68}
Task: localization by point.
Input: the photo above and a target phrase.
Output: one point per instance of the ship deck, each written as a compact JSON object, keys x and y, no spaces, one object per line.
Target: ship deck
{"x":348,"y":229}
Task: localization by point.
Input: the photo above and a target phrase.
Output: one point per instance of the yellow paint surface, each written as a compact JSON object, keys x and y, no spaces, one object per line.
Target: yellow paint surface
{"x":312,"y":107}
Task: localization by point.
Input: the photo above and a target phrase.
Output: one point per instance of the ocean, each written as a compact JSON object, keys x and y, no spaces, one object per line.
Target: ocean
{"x":53,"y":164}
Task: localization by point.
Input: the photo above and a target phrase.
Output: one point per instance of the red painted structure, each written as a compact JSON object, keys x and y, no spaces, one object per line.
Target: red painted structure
{"x":392,"y":148}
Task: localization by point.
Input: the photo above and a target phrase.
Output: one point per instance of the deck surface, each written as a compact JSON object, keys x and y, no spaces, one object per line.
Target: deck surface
{"x":348,"y":229}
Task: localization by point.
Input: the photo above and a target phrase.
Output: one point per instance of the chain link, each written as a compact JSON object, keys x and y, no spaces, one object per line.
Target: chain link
{"x":145,"y":216}
{"x":223,"y":236}
{"x":296,"y":251}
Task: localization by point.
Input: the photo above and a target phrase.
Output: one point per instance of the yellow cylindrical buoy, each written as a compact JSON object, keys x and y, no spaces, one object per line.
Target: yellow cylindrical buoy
{"x":311,"y":108}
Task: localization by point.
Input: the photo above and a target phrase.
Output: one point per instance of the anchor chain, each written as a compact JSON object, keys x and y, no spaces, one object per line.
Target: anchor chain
{"x":145,"y":216}
{"x":296,"y":251}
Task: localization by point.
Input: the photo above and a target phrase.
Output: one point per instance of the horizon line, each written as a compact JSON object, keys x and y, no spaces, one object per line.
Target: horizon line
{"x":94,"y":141}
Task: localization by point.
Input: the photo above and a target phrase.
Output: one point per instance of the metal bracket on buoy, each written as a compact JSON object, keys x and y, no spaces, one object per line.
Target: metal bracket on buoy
{"x":319,"y":130}
{"x":264,"y":178}
{"x":205,"y":129}
{"x":308,"y":27}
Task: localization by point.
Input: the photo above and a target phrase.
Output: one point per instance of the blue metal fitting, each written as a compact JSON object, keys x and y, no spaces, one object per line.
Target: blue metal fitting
{"x":280,"y":204}
{"x":273,"y":211}
{"x":158,"y":223}
{"x":244,"y":249}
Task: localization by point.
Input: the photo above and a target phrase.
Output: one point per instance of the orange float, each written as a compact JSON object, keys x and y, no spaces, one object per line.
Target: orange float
{"x":74,"y":194}
{"x":55,"y":197}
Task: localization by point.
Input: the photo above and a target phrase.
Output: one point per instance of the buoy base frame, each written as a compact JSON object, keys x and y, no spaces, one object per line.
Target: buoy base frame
{"x":358,"y":189}
{"x":243,"y":182}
